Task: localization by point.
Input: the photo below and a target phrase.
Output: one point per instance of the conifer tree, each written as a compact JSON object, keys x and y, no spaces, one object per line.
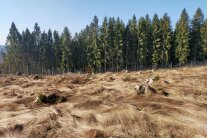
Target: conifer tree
{"x":104,"y":38}
{"x":196,"y":50}
{"x":14,"y":50}
{"x":173,"y":59}
{"x":204,"y":39}
{"x":43,"y":51}
{"x":182,"y":38}
{"x":118,"y":44}
{"x":57,"y":50}
{"x":66,"y":63}
{"x":156,"y":34}
{"x":126,"y":48}
{"x":149,"y":45}
{"x":49,"y":52}
{"x":76,"y":53}
{"x":166,"y":31}
{"x":83,"y":42}
{"x":133,"y":38}
{"x":142,"y":38}
{"x":36,"y":36}
{"x":111,"y":37}
{"x":131,"y":57}
{"x":27,"y":50}
{"x":93,"y":49}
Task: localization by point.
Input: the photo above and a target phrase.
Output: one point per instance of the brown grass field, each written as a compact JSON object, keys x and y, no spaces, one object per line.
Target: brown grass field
{"x":107,"y":105}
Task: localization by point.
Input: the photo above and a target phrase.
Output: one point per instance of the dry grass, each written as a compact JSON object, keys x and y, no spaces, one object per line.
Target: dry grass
{"x":106,"y":105}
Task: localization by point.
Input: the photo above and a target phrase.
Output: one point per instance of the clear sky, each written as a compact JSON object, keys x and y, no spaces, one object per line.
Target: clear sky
{"x":76,"y":14}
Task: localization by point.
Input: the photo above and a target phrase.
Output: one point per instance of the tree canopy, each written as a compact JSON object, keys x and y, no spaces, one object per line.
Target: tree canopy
{"x":142,"y":43}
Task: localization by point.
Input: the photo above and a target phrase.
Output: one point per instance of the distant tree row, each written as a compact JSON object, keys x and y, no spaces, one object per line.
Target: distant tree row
{"x":113,"y":46}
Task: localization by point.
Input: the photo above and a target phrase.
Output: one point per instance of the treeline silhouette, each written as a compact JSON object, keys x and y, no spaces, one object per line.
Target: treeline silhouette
{"x":108,"y":46}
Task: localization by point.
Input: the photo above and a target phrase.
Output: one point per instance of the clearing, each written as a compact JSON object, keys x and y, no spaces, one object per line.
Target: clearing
{"x":107,"y":105}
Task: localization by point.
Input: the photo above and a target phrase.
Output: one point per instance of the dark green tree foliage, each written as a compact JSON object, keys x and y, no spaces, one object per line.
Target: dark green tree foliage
{"x":144,"y":38}
{"x":196,"y":50}
{"x":204,"y":39}
{"x":93,"y":49}
{"x":112,"y":23}
{"x":14,"y":50}
{"x":125,"y":52}
{"x":130,"y":48}
{"x":36,"y":36}
{"x":149,"y":41}
{"x":182,"y":38}
{"x":82,"y":44}
{"x":78,"y":52}
{"x":140,"y":44}
{"x":133,"y":44}
{"x":66,"y":63}
{"x":104,"y":42}
{"x":75,"y":53}
{"x":166,"y":32}
{"x":118,"y":44}
{"x":27,"y":50}
{"x":49,"y":51}
{"x":57,"y":51}
{"x":157,"y":46}
{"x":173,"y":59}
{"x":43,"y":50}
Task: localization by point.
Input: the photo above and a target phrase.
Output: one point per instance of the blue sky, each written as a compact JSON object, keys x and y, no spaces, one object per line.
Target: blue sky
{"x":76,"y":14}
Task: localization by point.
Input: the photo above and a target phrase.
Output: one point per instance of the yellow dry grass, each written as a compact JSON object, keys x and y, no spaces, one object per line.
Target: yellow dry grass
{"x":106,"y":105}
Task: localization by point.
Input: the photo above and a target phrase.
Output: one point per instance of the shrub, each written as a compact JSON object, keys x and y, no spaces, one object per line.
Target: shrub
{"x":18,"y":73}
{"x":129,"y":79}
{"x":37,"y":77}
{"x":16,"y":128}
{"x":62,"y":99}
{"x":50,"y":99}
{"x":156,"y":78}
{"x":42,"y":99}
{"x":112,"y":78}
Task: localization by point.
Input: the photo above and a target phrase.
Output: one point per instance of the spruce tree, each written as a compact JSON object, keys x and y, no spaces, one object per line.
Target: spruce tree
{"x":83,"y":42}
{"x":111,"y":40}
{"x":157,"y":46}
{"x":118,"y":44}
{"x":76,"y":53}
{"x":57,"y":50}
{"x":196,"y":50}
{"x":125,"y":50}
{"x":36,"y":37}
{"x":14,"y":50}
{"x":49,"y":52}
{"x":93,"y":49}
{"x":66,"y":63}
{"x":134,"y":57}
{"x":27,"y":50}
{"x":149,"y":41}
{"x":182,"y":38}
{"x":43,"y":52}
{"x":204,"y":39}
{"x":104,"y":38}
{"x":166,"y":31}
{"x":142,"y":38}
{"x":173,"y":59}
